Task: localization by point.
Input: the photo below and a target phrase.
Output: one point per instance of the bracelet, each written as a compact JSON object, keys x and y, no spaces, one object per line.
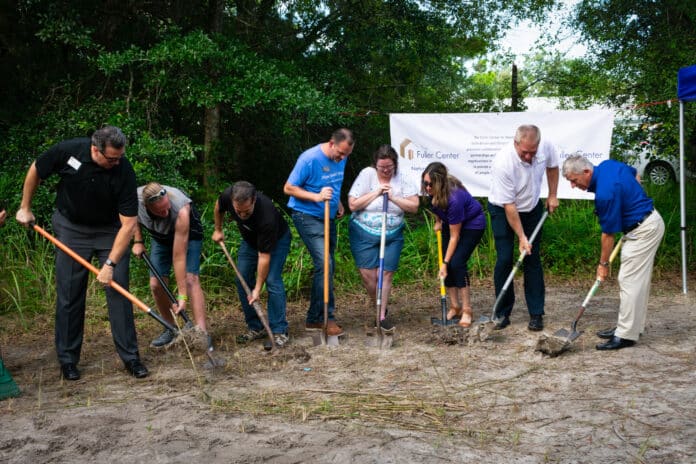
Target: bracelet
{"x":604,"y":263}
{"x":135,"y":242}
{"x":183,"y":297}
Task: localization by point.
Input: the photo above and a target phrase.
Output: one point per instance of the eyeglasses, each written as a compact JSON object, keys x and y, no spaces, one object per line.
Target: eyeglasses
{"x":389,"y":168}
{"x":427,"y":184}
{"x":156,"y":196}
{"x":111,"y":159}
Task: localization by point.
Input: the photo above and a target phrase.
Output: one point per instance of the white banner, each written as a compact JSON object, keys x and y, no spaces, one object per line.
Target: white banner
{"x":467,"y":143}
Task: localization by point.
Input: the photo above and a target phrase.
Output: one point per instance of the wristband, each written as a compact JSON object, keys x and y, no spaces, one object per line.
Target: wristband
{"x":183,"y":297}
{"x":135,"y":242}
{"x":604,"y":263}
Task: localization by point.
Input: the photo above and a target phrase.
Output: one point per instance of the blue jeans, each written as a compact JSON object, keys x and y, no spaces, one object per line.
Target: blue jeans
{"x":247,"y":262}
{"x":534,"y":291}
{"x":161,"y":256}
{"x":311,"y":231}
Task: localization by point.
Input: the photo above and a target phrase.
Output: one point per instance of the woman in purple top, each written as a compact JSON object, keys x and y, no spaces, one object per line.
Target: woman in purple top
{"x":462,"y":221}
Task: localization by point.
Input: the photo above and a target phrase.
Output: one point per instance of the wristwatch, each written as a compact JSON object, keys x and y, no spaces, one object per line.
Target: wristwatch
{"x":108,"y":262}
{"x":604,"y":263}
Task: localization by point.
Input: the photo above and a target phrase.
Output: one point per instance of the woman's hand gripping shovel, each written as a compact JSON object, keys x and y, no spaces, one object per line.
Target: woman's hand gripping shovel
{"x":494,"y":319}
{"x":247,"y":290}
{"x":573,"y":333}
{"x":385,"y":338}
{"x":188,"y":325}
{"x":151,"y":312}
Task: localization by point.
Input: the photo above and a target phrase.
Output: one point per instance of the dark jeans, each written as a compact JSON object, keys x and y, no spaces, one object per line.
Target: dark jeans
{"x":311,"y":231}
{"x":71,"y":291}
{"x":247,"y":262}
{"x":534,"y":291}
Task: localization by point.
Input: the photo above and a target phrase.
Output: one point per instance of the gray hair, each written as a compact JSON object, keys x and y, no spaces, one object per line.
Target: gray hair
{"x":528,"y":132}
{"x":243,"y":191}
{"x":576,"y":164}
{"x":108,"y":136}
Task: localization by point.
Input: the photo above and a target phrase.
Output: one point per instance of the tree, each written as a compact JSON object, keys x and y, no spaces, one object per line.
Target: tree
{"x":641,"y":44}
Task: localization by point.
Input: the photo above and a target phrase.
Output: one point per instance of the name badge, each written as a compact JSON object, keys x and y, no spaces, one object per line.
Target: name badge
{"x":74,"y":163}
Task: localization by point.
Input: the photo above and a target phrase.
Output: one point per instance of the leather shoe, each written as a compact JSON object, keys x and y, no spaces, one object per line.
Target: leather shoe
{"x":536,"y":323}
{"x":70,"y":371}
{"x":137,"y":369}
{"x":502,"y":323}
{"x":616,"y":343}
{"x":606,"y":334}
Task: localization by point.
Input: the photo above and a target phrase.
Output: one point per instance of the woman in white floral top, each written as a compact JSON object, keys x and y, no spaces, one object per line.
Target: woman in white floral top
{"x":365,"y":200}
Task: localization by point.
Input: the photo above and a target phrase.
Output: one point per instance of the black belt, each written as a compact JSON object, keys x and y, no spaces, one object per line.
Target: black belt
{"x":635,"y":226}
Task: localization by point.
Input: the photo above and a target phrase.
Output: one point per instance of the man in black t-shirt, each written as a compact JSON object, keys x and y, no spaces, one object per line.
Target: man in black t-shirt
{"x":261,"y":256}
{"x":96,"y":215}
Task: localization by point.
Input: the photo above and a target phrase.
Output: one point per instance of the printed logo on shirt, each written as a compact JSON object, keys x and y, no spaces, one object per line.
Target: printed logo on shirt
{"x":325,"y":168}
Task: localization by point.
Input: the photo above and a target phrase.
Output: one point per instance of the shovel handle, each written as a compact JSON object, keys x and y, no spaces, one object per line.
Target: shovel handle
{"x":439,"y":261}
{"x":598,"y":282}
{"x":159,"y":278}
{"x":327,"y":213}
{"x":247,"y":290}
{"x":113,"y":284}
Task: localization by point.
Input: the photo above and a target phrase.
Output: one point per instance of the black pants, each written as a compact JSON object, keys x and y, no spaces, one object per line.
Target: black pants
{"x":71,"y":291}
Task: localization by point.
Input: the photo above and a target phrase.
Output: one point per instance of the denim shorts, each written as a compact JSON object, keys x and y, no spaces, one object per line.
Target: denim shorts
{"x":365,"y":248}
{"x":161,"y":257}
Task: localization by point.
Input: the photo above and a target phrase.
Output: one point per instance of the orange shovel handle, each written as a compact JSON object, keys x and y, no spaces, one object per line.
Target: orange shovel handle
{"x":112,"y":283}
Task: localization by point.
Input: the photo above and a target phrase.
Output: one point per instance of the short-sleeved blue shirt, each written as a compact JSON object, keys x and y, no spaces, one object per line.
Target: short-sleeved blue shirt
{"x":312,"y":172}
{"x":462,"y":209}
{"x":620,"y":200}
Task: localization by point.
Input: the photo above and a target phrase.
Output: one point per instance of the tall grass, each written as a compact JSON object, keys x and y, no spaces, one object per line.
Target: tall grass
{"x":570,"y":247}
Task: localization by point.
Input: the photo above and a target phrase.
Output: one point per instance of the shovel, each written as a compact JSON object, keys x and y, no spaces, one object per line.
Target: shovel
{"x":209,"y":351}
{"x":515,"y":268}
{"x":169,"y":293}
{"x":385,"y":337}
{"x":151,"y":312}
{"x":247,"y":290}
{"x":443,"y":292}
{"x":573,"y":333}
{"x":324,"y":338}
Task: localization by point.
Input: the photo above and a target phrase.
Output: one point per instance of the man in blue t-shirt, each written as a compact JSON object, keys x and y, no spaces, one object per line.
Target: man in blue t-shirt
{"x":622,"y":205}
{"x":317,"y":178}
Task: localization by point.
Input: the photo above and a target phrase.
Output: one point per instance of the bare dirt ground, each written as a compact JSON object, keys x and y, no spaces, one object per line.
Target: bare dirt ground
{"x":422,"y":401}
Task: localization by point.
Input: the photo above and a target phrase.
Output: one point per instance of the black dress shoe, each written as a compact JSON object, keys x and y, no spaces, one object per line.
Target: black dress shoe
{"x":69,"y":371}
{"x":606,"y":334}
{"x":502,"y":323}
{"x":536,"y":323}
{"x":616,"y":343}
{"x":137,"y":369}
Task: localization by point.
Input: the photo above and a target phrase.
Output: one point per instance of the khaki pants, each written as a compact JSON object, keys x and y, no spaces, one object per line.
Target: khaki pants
{"x":637,"y":258}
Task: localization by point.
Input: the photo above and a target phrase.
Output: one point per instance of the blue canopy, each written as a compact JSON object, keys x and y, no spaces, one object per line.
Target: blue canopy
{"x":686,"y":83}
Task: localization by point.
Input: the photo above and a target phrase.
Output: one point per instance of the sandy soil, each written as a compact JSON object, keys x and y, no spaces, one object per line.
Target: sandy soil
{"x":422,"y":401}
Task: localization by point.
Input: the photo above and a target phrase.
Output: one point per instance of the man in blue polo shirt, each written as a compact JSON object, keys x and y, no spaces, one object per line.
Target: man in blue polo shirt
{"x":622,"y":205}
{"x":316,"y":178}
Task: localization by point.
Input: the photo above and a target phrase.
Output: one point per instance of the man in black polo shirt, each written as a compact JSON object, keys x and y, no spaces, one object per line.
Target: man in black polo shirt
{"x":96,"y":215}
{"x":261,"y":255}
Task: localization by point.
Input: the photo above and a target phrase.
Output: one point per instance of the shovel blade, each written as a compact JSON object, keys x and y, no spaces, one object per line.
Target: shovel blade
{"x":318,"y":338}
{"x":445,"y":322}
{"x":387,"y":341}
{"x":569,"y":335}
